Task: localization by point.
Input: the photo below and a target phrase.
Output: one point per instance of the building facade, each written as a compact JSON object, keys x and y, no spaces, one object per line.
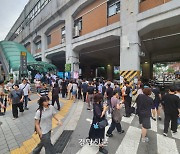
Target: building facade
{"x":96,"y":35}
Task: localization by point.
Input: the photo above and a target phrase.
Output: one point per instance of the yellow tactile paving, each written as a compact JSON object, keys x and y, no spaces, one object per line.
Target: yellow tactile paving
{"x":30,"y":144}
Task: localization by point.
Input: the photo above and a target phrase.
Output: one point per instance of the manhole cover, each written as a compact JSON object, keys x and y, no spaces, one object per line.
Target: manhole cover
{"x":62,"y":141}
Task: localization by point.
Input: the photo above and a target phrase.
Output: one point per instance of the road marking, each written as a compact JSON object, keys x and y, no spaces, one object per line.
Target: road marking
{"x":166,"y":145}
{"x":153,"y":125}
{"x":89,"y":120}
{"x":161,"y":126}
{"x":176,"y":135}
{"x":130,"y":141}
{"x":87,"y":149}
{"x":128,"y":119}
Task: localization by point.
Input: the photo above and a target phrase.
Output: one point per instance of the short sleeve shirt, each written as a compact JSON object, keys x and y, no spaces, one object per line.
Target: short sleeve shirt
{"x":114,"y":102}
{"x":46,"y":118}
{"x":16,"y":96}
{"x":44,"y":91}
{"x":26,"y":88}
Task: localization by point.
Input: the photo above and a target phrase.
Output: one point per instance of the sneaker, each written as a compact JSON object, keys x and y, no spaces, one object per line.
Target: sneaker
{"x":127,"y":116}
{"x":26,"y":108}
{"x":103,"y":150}
{"x":153,"y":118}
{"x":122,"y":131}
{"x":159,"y":118}
{"x":146,"y":139}
{"x":174,"y":132}
{"x":165,"y":134}
{"x":14,"y":118}
{"x":109,"y":135}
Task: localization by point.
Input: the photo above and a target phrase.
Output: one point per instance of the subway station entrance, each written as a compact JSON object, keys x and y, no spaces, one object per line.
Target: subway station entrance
{"x":100,"y":58}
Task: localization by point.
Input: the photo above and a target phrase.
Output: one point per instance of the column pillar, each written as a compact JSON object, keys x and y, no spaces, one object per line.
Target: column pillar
{"x":43,"y":48}
{"x":129,"y":40}
{"x":109,"y":72}
{"x":147,"y":70}
{"x":32,"y":47}
{"x":72,"y":57}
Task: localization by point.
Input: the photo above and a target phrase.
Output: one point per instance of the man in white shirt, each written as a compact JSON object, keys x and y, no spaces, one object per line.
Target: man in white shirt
{"x":26,"y":89}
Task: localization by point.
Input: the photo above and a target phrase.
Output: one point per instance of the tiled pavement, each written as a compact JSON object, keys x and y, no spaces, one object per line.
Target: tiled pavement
{"x":17,"y":136}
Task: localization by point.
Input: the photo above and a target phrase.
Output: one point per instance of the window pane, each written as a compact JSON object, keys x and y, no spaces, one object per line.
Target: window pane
{"x":112,"y":10}
{"x":49,"y":39}
{"x":118,"y":7}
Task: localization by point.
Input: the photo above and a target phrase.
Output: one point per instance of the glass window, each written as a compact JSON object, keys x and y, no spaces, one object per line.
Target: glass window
{"x":49,"y":39}
{"x":38,"y":45}
{"x":113,"y":8}
{"x":78,"y":22}
{"x":63,"y":32}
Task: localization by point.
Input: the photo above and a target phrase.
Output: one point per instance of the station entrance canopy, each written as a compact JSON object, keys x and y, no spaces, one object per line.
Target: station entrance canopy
{"x":10,"y":58}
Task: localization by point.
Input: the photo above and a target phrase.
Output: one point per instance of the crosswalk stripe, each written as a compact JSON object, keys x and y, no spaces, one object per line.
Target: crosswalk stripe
{"x":128,"y":119}
{"x":166,"y":145}
{"x":153,"y":125}
{"x":87,"y":149}
{"x":130,"y":142}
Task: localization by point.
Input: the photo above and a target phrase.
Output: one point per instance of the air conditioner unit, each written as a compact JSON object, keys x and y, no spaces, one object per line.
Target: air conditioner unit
{"x":76,"y":31}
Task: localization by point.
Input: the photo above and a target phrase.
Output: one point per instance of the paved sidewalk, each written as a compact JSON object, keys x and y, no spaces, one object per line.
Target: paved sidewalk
{"x":17,"y":136}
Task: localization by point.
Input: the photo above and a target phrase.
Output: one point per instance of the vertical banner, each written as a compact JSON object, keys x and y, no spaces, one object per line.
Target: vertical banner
{"x":23,"y":63}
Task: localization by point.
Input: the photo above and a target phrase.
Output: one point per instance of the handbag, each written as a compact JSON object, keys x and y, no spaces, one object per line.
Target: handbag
{"x":103,"y":123}
{"x":116,"y":115}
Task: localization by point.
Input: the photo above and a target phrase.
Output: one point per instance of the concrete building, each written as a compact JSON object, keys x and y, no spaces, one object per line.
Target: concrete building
{"x":96,"y":35}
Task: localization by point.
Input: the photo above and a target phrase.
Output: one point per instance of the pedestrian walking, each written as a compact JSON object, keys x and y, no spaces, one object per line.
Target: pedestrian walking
{"x":44,"y":91}
{"x":171,"y":106}
{"x":96,"y":134}
{"x":79,"y":90}
{"x":90,"y":95}
{"x":108,"y":95}
{"x":144,"y":105}
{"x":16,"y":98}
{"x":84,"y":87}
{"x":69,"y":90}
{"x":2,"y":94}
{"x":74,"y":91}
{"x":63,"y":88}
{"x":25,"y":86}
{"x":43,"y":125}
{"x":156,"y":102}
{"x":55,"y":95}
{"x":116,"y":106}
{"x":127,"y":99}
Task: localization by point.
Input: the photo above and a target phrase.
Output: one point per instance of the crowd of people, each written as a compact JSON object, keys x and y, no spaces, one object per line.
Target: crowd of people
{"x":104,"y":97}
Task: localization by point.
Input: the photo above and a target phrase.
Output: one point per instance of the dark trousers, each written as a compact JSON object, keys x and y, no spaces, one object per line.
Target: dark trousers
{"x":25,"y":101}
{"x":79,"y":94}
{"x":84,"y":96}
{"x":56,"y":99}
{"x":127,"y":108}
{"x":173,"y":119}
{"x":15,"y":109}
{"x":46,"y":143}
{"x":63,"y":93}
{"x":109,"y":106}
{"x":113,"y":126}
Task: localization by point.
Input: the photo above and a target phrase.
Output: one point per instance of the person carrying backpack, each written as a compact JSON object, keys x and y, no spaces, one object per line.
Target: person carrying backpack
{"x":55,"y":95}
{"x":43,"y":125}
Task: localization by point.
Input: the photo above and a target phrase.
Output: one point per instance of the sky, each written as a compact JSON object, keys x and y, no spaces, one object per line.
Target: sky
{"x":9,"y":13}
